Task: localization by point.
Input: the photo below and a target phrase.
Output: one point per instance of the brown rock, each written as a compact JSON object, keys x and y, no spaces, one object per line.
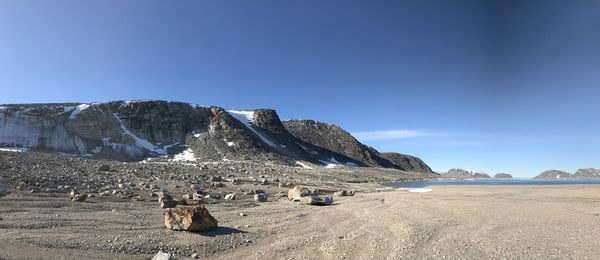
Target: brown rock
{"x":193,"y":219}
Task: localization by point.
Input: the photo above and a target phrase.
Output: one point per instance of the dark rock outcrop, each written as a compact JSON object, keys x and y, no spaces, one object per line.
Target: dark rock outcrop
{"x":322,"y":139}
{"x":554,"y":174}
{"x":407,"y":162}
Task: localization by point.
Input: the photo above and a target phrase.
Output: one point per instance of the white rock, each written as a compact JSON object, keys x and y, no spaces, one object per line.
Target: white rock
{"x":230,"y":196}
{"x":162,"y":256}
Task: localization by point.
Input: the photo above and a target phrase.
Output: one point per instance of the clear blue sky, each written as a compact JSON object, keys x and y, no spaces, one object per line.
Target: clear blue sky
{"x":497,"y":86}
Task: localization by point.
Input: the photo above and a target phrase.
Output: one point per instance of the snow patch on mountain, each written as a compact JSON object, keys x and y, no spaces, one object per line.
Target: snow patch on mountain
{"x":75,"y":110}
{"x":187,"y":155}
{"x":15,"y":150}
{"x":303,"y":165}
{"x":140,"y":142}
{"x":245,"y":117}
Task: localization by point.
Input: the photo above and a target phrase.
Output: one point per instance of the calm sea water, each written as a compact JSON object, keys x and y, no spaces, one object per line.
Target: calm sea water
{"x":421,"y":184}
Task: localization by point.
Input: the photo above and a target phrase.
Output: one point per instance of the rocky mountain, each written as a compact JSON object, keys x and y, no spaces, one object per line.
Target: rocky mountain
{"x":138,"y":130}
{"x":406,"y":161}
{"x":318,"y":136}
{"x":554,"y":174}
{"x":588,"y":173}
{"x":465,"y":174}
{"x":503,"y":176}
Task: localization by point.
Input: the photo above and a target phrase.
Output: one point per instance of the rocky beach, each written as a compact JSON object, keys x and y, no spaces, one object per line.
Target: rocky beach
{"x":501,"y":222}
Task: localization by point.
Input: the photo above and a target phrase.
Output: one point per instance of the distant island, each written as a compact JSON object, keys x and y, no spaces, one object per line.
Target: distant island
{"x":587,"y":173}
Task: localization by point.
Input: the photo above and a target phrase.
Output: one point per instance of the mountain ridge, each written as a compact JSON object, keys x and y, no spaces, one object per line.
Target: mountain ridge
{"x":136,"y":130}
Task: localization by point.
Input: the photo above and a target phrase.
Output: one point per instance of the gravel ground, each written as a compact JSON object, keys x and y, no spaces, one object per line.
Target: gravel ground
{"x":466,"y":222}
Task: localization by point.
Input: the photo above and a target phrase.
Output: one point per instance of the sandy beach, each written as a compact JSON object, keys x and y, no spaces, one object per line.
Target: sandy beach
{"x":476,"y":222}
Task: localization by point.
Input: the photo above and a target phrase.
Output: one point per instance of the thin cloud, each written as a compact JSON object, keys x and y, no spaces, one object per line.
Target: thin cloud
{"x":393,"y":134}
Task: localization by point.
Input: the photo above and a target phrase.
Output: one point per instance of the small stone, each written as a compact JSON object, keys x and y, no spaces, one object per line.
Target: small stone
{"x":162,"y":256}
{"x":318,"y":200}
{"x":196,"y":186}
{"x":166,"y":201}
{"x":230,"y":196}
{"x":194,"y":256}
{"x":78,"y":197}
{"x":217,"y":184}
{"x":197,"y":196}
{"x":260,"y":197}
{"x":242,"y":214}
{"x":104,"y":168}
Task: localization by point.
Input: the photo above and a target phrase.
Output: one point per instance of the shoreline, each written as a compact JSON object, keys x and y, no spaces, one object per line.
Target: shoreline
{"x":450,"y":221}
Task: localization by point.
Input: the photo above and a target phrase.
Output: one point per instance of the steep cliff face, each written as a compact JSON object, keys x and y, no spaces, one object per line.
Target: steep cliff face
{"x":123,"y":130}
{"x":322,"y":138}
{"x":137,"y":130}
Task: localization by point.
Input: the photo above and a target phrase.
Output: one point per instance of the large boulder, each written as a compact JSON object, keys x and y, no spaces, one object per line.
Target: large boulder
{"x":193,"y":219}
{"x":297,"y":193}
{"x":78,"y":197}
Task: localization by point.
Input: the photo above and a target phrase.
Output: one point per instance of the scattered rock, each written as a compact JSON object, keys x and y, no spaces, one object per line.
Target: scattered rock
{"x":194,"y":256}
{"x":260,"y":197}
{"x":344,"y":193}
{"x":194,"y":219}
{"x":264,"y":182}
{"x":242,"y":214}
{"x":318,"y":200}
{"x":162,"y":256}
